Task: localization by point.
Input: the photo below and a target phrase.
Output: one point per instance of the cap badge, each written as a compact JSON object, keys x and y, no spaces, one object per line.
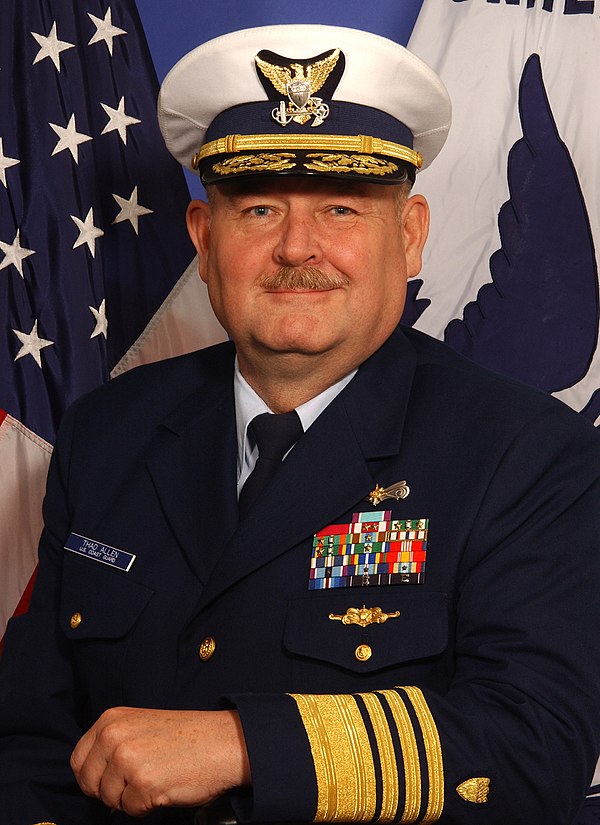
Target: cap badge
{"x":300,"y":80}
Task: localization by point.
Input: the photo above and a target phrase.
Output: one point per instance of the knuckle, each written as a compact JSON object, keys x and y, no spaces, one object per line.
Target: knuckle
{"x":111,"y":727}
{"x":112,"y":715}
{"x":125,"y":759}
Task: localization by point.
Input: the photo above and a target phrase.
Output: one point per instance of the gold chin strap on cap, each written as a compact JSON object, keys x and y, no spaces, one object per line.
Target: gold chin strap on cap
{"x":364,"y":144}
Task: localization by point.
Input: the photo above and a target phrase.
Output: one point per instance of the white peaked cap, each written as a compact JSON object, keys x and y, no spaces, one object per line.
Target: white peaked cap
{"x":218,"y":114}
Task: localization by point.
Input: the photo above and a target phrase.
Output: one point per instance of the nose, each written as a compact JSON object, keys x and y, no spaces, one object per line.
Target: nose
{"x":298,"y":242}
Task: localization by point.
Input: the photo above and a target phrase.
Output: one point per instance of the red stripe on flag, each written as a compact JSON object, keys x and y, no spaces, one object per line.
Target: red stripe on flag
{"x":23,"y":605}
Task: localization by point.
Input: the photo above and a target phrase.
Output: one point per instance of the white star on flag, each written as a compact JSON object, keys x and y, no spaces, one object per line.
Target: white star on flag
{"x":51,"y":46}
{"x":87,"y":232}
{"x":14,"y":254}
{"x":105,"y":31}
{"x":32,"y":344}
{"x":118,"y":120}
{"x":99,"y":314}
{"x":131,"y":210}
{"x":69,"y":138}
{"x":5,"y":163}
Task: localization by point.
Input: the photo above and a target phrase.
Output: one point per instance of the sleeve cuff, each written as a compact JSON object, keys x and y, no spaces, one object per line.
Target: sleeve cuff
{"x":370,"y":757}
{"x":284,"y":786}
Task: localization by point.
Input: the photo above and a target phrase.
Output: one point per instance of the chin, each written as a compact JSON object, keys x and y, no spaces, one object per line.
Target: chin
{"x":294,"y":346}
{"x":303,"y":335}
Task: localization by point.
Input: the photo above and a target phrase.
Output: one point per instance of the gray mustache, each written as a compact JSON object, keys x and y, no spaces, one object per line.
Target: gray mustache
{"x":302,"y":278}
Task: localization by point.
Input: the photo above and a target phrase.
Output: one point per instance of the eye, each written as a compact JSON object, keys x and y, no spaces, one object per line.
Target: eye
{"x":259,"y":211}
{"x":341,"y":211}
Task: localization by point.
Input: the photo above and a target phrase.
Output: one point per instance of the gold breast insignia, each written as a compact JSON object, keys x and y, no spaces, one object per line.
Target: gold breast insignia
{"x":364,"y":616}
{"x":398,"y":490}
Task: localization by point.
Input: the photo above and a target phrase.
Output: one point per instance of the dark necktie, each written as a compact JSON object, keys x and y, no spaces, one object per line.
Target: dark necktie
{"x":275,"y":435}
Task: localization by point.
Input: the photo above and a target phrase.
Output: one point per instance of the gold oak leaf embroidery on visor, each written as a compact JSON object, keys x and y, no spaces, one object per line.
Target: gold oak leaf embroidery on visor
{"x":358,"y":164}
{"x":263,"y":162}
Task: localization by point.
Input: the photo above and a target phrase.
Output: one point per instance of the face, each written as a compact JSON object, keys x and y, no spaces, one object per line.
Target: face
{"x":308,"y":267}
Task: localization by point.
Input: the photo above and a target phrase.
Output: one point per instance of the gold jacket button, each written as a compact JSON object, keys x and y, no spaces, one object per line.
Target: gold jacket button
{"x":206,"y":649}
{"x":75,"y":620}
{"x":363,"y":653}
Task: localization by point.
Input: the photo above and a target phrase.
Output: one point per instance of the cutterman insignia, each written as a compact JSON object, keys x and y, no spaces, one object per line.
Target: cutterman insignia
{"x":364,"y":616}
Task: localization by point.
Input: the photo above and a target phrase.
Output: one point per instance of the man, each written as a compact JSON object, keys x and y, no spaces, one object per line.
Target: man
{"x":395,"y":621}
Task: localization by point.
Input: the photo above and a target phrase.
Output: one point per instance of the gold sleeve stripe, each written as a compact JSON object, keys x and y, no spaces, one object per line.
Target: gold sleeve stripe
{"x":433,"y":752}
{"x":387,"y":757}
{"x":410,"y":753}
{"x":342,"y":757}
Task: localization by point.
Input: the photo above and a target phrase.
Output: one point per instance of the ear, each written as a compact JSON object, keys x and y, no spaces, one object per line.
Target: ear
{"x":198,"y":224}
{"x":415,"y":226}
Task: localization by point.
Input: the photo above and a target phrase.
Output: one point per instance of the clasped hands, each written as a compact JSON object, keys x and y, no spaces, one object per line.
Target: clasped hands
{"x":136,"y":760}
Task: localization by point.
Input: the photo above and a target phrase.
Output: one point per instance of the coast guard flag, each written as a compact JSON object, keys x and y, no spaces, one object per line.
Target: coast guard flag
{"x":513,"y":254}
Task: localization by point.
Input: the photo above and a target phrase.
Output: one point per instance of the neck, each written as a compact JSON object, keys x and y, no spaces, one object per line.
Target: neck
{"x":286,"y":381}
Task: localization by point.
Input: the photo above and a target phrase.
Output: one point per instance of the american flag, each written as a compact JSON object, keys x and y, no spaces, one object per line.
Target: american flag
{"x":92,"y":234}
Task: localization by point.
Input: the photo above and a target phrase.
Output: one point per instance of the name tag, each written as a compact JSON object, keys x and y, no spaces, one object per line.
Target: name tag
{"x":97,"y":551}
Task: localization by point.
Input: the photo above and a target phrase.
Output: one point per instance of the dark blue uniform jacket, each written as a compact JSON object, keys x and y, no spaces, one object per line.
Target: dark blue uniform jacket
{"x":478,"y":703}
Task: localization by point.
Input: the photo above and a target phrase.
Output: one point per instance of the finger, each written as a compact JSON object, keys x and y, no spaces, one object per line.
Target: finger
{"x":128,"y":781}
{"x":81,"y":750}
{"x":89,"y":761}
{"x":134,"y":802}
{"x":111,"y":787}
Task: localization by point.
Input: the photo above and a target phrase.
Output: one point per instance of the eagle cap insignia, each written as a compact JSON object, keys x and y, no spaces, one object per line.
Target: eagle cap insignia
{"x":300,"y":80}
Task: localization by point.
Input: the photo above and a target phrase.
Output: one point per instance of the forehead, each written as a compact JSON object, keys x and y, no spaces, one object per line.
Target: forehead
{"x":290,"y":186}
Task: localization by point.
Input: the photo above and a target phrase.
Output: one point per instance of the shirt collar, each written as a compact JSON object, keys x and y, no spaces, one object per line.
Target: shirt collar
{"x":248,"y":404}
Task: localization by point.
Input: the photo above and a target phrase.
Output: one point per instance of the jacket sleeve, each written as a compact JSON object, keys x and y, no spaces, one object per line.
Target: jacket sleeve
{"x":38,"y":712}
{"x":515,"y":738}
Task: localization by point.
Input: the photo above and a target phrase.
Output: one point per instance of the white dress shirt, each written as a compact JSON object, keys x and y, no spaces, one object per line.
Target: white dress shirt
{"x":248,"y":405}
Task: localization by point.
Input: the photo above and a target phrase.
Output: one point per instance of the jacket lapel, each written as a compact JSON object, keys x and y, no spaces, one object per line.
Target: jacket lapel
{"x":193,"y":468}
{"x":327,"y":473}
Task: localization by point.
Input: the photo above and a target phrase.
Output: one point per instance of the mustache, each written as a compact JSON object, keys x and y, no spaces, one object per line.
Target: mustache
{"x":302,"y":278}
